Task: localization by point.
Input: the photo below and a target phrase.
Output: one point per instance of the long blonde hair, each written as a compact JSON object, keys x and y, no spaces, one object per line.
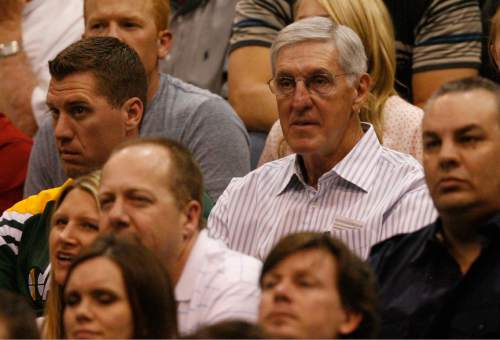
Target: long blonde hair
{"x":371,"y":20}
{"x":52,"y":325}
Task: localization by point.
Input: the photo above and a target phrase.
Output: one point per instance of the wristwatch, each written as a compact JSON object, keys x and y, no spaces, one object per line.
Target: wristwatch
{"x":9,"y":48}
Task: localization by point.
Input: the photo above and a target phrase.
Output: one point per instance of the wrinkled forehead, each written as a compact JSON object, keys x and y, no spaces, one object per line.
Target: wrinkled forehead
{"x":305,"y":57}
{"x":79,"y":85}
{"x":118,"y":8}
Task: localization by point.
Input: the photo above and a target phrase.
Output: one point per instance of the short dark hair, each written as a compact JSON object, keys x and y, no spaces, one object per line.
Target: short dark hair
{"x":185,"y":177}
{"x":18,"y":316}
{"x":147,"y":283}
{"x":466,"y":85}
{"x":117,"y":68}
{"x":355,"y":279}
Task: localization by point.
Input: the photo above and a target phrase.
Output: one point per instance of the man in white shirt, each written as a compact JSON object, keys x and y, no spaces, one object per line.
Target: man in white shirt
{"x":341,"y":181}
{"x":153,"y":188}
{"x":29,"y":38}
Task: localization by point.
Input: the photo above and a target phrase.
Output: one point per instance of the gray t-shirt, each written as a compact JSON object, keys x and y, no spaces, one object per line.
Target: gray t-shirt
{"x":202,"y":121}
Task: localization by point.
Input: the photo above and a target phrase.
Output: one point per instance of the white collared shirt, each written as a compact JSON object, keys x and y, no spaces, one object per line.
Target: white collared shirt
{"x":216,"y":284}
{"x":370,"y":195}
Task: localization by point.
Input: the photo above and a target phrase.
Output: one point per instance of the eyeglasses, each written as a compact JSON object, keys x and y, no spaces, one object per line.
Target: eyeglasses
{"x":321,"y":84}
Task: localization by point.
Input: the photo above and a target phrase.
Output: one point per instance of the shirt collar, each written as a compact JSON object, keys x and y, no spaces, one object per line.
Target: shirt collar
{"x":430,"y":241}
{"x":357,"y":167}
{"x":185,"y":287}
{"x":489,"y":231}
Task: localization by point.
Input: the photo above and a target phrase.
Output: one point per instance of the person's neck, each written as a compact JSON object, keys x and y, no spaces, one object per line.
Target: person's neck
{"x":153,"y":85}
{"x":461,"y":237}
{"x":314,"y":165}
{"x":176,"y":273}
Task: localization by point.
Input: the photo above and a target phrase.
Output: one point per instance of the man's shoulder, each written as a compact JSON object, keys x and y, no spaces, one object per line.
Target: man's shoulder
{"x":398,"y":246}
{"x":229,"y":265}
{"x":271,"y":174}
{"x":185,"y":93}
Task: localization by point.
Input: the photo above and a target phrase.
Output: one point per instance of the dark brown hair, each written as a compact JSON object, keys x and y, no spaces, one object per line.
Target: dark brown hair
{"x":185,"y":179}
{"x":148,"y":286}
{"x":117,"y":68}
{"x":355,"y":279}
{"x":17,"y":316}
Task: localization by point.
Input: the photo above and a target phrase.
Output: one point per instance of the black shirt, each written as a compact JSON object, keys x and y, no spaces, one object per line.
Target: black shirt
{"x":423,"y":293}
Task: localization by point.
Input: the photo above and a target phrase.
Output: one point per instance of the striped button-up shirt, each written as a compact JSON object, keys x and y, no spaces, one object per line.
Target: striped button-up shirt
{"x":370,"y":195}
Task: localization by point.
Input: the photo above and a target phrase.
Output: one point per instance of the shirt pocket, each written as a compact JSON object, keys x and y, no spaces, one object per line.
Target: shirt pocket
{"x":353,"y":233}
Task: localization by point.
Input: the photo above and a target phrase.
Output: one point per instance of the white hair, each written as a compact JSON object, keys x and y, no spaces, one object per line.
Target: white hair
{"x":351,"y":52}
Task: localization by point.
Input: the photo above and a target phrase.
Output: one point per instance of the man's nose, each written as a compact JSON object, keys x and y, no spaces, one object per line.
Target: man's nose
{"x":114,"y":31}
{"x":448,"y":155}
{"x":281,"y":291}
{"x":116,"y":216}
{"x":62,"y":127}
{"x":301,"y":100}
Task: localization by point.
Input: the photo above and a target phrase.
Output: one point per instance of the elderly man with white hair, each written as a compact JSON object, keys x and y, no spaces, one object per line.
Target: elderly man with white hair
{"x":340,"y":181}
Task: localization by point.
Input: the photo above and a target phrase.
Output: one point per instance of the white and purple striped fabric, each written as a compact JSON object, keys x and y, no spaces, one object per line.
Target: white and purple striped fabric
{"x":372,"y":194}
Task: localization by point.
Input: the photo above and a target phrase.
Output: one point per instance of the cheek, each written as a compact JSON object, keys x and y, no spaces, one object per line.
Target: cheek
{"x":69,"y":320}
{"x":118,"y":321}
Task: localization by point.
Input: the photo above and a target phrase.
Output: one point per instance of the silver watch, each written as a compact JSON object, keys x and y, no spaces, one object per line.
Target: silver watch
{"x":9,"y":48}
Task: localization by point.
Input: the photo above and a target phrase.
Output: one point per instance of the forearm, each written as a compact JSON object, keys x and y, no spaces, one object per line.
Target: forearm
{"x":17,"y":79}
{"x":248,"y":72}
{"x":255,"y":105}
{"x":16,"y":88}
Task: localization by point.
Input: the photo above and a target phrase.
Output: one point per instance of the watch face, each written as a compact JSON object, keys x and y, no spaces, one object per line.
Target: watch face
{"x":9,"y":48}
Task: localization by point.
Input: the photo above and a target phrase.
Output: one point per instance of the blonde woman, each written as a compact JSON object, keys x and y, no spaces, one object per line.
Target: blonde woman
{"x":74,"y":225}
{"x":396,"y":122}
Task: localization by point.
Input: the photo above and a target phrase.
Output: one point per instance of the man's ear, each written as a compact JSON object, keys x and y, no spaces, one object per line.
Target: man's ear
{"x":164,"y":42}
{"x":192,"y":214}
{"x":361,"y":92}
{"x":350,"y":323}
{"x":133,"y":110}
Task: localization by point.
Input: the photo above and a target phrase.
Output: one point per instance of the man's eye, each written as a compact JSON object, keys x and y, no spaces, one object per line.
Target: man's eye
{"x":79,"y":111}
{"x":105,"y":203}
{"x":320,"y":80}
{"x":54,"y":113}
{"x":430,"y":144}
{"x":129,"y":24}
{"x":286,"y":83}
{"x":268,"y":284}
{"x":469,"y":139}
{"x":97,"y":26}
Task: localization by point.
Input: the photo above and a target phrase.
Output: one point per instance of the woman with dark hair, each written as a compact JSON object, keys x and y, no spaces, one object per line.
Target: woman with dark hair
{"x":118,"y":289}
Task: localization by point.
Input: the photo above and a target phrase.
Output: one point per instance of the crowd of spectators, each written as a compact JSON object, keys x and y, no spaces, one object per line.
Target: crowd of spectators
{"x":249,"y":169}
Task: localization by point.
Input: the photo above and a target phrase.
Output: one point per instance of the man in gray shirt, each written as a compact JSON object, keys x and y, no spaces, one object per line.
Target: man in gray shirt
{"x":200,"y":120}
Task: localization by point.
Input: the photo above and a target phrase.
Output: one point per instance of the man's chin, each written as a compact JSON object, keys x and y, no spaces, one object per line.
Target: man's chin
{"x":74,"y":171}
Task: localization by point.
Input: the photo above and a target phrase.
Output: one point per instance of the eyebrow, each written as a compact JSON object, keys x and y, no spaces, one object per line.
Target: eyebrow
{"x":461,"y":130}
